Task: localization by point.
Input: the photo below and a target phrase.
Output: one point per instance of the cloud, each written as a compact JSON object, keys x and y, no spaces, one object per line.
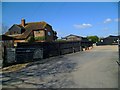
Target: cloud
{"x":106,"y":28}
{"x":82,"y":26}
{"x":108,"y":20}
{"x":117,"y":20}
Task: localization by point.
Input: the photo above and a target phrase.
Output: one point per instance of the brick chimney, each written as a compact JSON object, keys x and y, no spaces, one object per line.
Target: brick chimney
{"x":23,"y":22}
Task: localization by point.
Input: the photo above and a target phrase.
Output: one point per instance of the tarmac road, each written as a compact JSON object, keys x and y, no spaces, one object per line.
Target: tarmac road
{"x":95,"y":68}
{"x":100,"y":70}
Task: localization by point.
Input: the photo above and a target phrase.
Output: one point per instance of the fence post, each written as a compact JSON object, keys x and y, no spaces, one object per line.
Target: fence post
{"x":73,"y":48}
{"x":4,"y":56}
{"x":59,"y":48}
{"x":81,"y":49}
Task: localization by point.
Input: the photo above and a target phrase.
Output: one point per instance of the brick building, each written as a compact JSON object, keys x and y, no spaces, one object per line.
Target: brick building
{"x":37,"y":31}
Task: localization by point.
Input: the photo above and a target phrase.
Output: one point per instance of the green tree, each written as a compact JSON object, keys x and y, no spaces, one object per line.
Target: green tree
{"x":31,"y":39}
{"x":94,"y":39}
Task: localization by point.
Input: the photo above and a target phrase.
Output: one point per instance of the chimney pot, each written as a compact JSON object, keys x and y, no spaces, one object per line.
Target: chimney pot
{"x":23,"y":22}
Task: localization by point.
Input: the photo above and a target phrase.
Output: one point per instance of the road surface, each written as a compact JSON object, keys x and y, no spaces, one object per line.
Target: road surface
{"x":95,"y":68}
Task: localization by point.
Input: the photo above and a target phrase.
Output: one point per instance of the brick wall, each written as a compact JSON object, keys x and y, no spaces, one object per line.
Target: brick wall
{"x":39,"y":33}
{"x":49,"y":34}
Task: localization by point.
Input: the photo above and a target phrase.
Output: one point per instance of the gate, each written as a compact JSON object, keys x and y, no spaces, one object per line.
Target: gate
{"x":21,"y":55}
{"x":28,"y":54}
{"x":9,"y":56}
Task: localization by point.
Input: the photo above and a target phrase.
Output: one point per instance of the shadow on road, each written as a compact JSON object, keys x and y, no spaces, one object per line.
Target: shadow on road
{"x":52,"y":73}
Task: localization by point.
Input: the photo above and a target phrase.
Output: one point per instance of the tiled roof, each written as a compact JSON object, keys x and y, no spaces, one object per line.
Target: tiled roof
{"x":35,"y":25}
{"x":20,"y":26}
{"x":72,"y":35}
{"x":7,"y":33}
{"x":29,"y":27}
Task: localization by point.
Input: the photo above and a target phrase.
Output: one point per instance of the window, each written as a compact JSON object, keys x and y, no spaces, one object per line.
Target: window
{"x":101,"y":40}
{"x":49,"y":33}
{"x":37,"y":31}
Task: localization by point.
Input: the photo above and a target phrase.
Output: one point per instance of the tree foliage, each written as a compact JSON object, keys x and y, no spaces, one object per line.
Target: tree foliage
{"x":94,"y":39}
{"x":31,"y":39}
{"x":39,"y":38}
{"x":60,"y":40}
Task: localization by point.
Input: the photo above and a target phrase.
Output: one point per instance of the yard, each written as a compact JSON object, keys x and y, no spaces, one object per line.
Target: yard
{"x":95,"y":68}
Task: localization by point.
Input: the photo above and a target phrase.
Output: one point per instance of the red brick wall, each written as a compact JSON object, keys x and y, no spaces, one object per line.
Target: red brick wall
{"x":39,"y":33}
{"x":49,"y":33}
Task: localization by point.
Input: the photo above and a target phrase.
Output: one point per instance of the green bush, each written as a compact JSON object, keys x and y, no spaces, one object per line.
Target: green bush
{"x":39,"y":38}
{"x":31,"y":39}
{"x":60,"y":40}
{"x":93,"y":38}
